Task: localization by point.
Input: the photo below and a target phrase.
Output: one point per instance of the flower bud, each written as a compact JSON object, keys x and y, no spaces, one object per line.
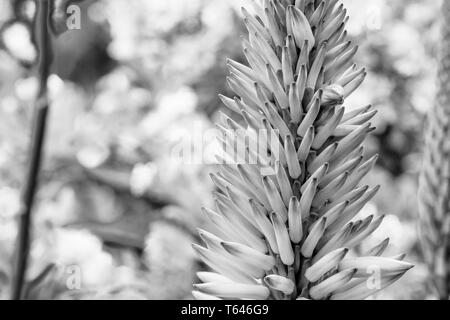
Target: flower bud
{"x":333,"y":95}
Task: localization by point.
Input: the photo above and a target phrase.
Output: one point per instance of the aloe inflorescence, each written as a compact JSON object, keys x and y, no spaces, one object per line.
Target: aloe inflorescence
{"x":434,"y":186}
{"x":290,"y":233}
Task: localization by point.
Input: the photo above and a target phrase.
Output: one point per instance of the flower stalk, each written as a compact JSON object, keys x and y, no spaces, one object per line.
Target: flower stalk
{"x":42,"y":39}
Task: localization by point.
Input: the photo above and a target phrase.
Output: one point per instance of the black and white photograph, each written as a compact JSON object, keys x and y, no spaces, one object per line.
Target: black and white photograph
{"x":225,"y":150}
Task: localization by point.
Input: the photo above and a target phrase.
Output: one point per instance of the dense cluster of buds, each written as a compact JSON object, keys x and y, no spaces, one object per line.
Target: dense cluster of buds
{"x":291,"y":234}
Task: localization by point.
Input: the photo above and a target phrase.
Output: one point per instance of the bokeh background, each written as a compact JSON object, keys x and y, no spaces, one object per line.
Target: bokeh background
{"x":115,"y":207}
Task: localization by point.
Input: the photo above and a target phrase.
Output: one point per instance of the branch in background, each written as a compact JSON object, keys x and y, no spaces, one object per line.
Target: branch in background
{"x":71,"y":172}
{"x":35,"y":156}
{"x":119,"y":181}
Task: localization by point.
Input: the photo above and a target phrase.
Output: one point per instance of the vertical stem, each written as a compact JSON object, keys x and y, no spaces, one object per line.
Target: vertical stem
{"x":35,"y":156}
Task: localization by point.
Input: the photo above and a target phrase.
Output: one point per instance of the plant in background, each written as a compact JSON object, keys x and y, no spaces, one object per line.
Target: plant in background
{"x":291,"y":234}
{"x":434,"y":189}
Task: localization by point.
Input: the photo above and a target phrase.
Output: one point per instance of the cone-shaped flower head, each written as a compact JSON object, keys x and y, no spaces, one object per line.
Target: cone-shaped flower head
{"x":286,"y":213}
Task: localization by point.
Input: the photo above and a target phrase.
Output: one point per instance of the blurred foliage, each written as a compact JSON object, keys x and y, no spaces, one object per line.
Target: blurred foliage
{"x":126,"y":88}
